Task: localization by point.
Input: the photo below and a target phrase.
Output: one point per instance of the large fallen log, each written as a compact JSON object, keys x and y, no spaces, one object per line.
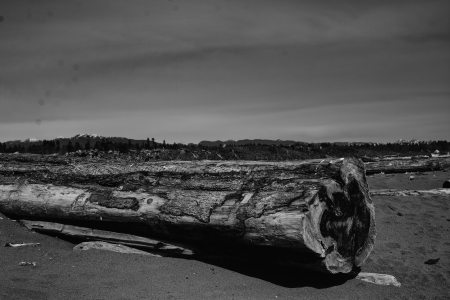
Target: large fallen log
{"x":319,"y":207}
{"x":407,"y":165}
{"x":421,"y":193}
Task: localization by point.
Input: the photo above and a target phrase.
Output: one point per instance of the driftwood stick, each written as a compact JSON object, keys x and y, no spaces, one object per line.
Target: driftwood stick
{"x":319,"y":207}
{"x":111,"y":247}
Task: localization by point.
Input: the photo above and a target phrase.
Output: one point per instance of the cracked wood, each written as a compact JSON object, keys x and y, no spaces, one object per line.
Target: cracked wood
{"x":320,"y":207}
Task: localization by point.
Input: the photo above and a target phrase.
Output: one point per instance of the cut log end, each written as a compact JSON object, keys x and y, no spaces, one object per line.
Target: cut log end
{"x":341,"y":223}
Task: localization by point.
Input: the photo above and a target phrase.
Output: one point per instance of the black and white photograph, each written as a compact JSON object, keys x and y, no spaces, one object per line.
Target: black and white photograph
{"x":224,"y":149}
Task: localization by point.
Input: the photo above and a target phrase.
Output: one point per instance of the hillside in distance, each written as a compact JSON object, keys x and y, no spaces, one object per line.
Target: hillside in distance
{"x":92,"y":139}
{"x":81,"y":139}
{"x":248,"y":142}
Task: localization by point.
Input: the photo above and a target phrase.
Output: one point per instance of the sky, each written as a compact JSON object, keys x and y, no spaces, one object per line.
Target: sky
{"x":193,"y":70}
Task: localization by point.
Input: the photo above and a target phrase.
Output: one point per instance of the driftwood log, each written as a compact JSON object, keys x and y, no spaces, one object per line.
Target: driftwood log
{"x":421,"y":193}
{"x":318,"y":207}
{"x":407,"y":165}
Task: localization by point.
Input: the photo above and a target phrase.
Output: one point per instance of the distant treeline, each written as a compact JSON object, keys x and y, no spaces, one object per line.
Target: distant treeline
{"x":55,"y":146}
{"x":430,"y":146}
{"x":321,"y":149}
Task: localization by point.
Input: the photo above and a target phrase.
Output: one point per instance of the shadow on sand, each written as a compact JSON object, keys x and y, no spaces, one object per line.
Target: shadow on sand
{"x":287,"y":277}
{"x":284,"y":276}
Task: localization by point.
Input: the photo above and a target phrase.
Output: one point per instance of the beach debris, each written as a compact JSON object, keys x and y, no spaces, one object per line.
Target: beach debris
{"x":432,"y":261}
{"x":26,"y":263}
{"x":382,"y":279}
{"x":446,"y":184}
{"x":22,"y":244}
{"x":393,"y":209}
{"x":422,"y":193}
{"x":408,"y":165}
{"x":111,"y":247}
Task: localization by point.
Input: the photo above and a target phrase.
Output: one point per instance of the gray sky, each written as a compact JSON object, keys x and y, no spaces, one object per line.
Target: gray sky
{"x":187,"y":71}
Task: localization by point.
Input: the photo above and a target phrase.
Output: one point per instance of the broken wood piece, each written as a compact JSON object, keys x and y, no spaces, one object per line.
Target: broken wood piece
{"x":382,"y":279}
{"x":21,"y":244}
{"x":26,"y":263}
{"x":111,"y":247}
{"x":90,"y":234}
{"x":317,"y":208}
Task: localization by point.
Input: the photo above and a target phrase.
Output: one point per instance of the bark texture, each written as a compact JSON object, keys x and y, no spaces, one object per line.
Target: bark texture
{"x":320,"y":207}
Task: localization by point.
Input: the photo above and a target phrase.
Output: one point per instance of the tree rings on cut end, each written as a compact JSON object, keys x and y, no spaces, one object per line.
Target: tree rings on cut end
{"x":341,"y":223}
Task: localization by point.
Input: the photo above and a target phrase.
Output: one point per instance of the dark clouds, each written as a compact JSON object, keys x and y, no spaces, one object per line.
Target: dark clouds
{"x":275,"y":69}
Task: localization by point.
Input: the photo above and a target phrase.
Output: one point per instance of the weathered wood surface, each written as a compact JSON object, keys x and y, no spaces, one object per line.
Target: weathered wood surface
{"x":381,"y":279}
{"x":317,"y":206}
{"x":372,"y":165}
{"x":407,"y":165}
{"x":422,"y":193}
{"x":99,"y":245}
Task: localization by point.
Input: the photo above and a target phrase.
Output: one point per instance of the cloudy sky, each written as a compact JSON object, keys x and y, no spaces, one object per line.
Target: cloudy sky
{"x":187,"y":71}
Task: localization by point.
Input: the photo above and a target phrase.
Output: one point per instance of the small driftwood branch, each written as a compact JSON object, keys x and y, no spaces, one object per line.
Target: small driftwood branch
{"x":111,"y":247}
{"x":15,"y":245}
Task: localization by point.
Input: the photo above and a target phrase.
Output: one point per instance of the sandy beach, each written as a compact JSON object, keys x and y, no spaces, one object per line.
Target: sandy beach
{"x":410,"y":231}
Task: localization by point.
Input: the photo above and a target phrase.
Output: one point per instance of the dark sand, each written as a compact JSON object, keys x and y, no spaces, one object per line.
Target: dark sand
{"x":403,"y":244}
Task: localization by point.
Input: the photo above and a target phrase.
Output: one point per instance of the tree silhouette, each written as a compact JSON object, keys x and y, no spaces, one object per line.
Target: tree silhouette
{"x":69,"y":147}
